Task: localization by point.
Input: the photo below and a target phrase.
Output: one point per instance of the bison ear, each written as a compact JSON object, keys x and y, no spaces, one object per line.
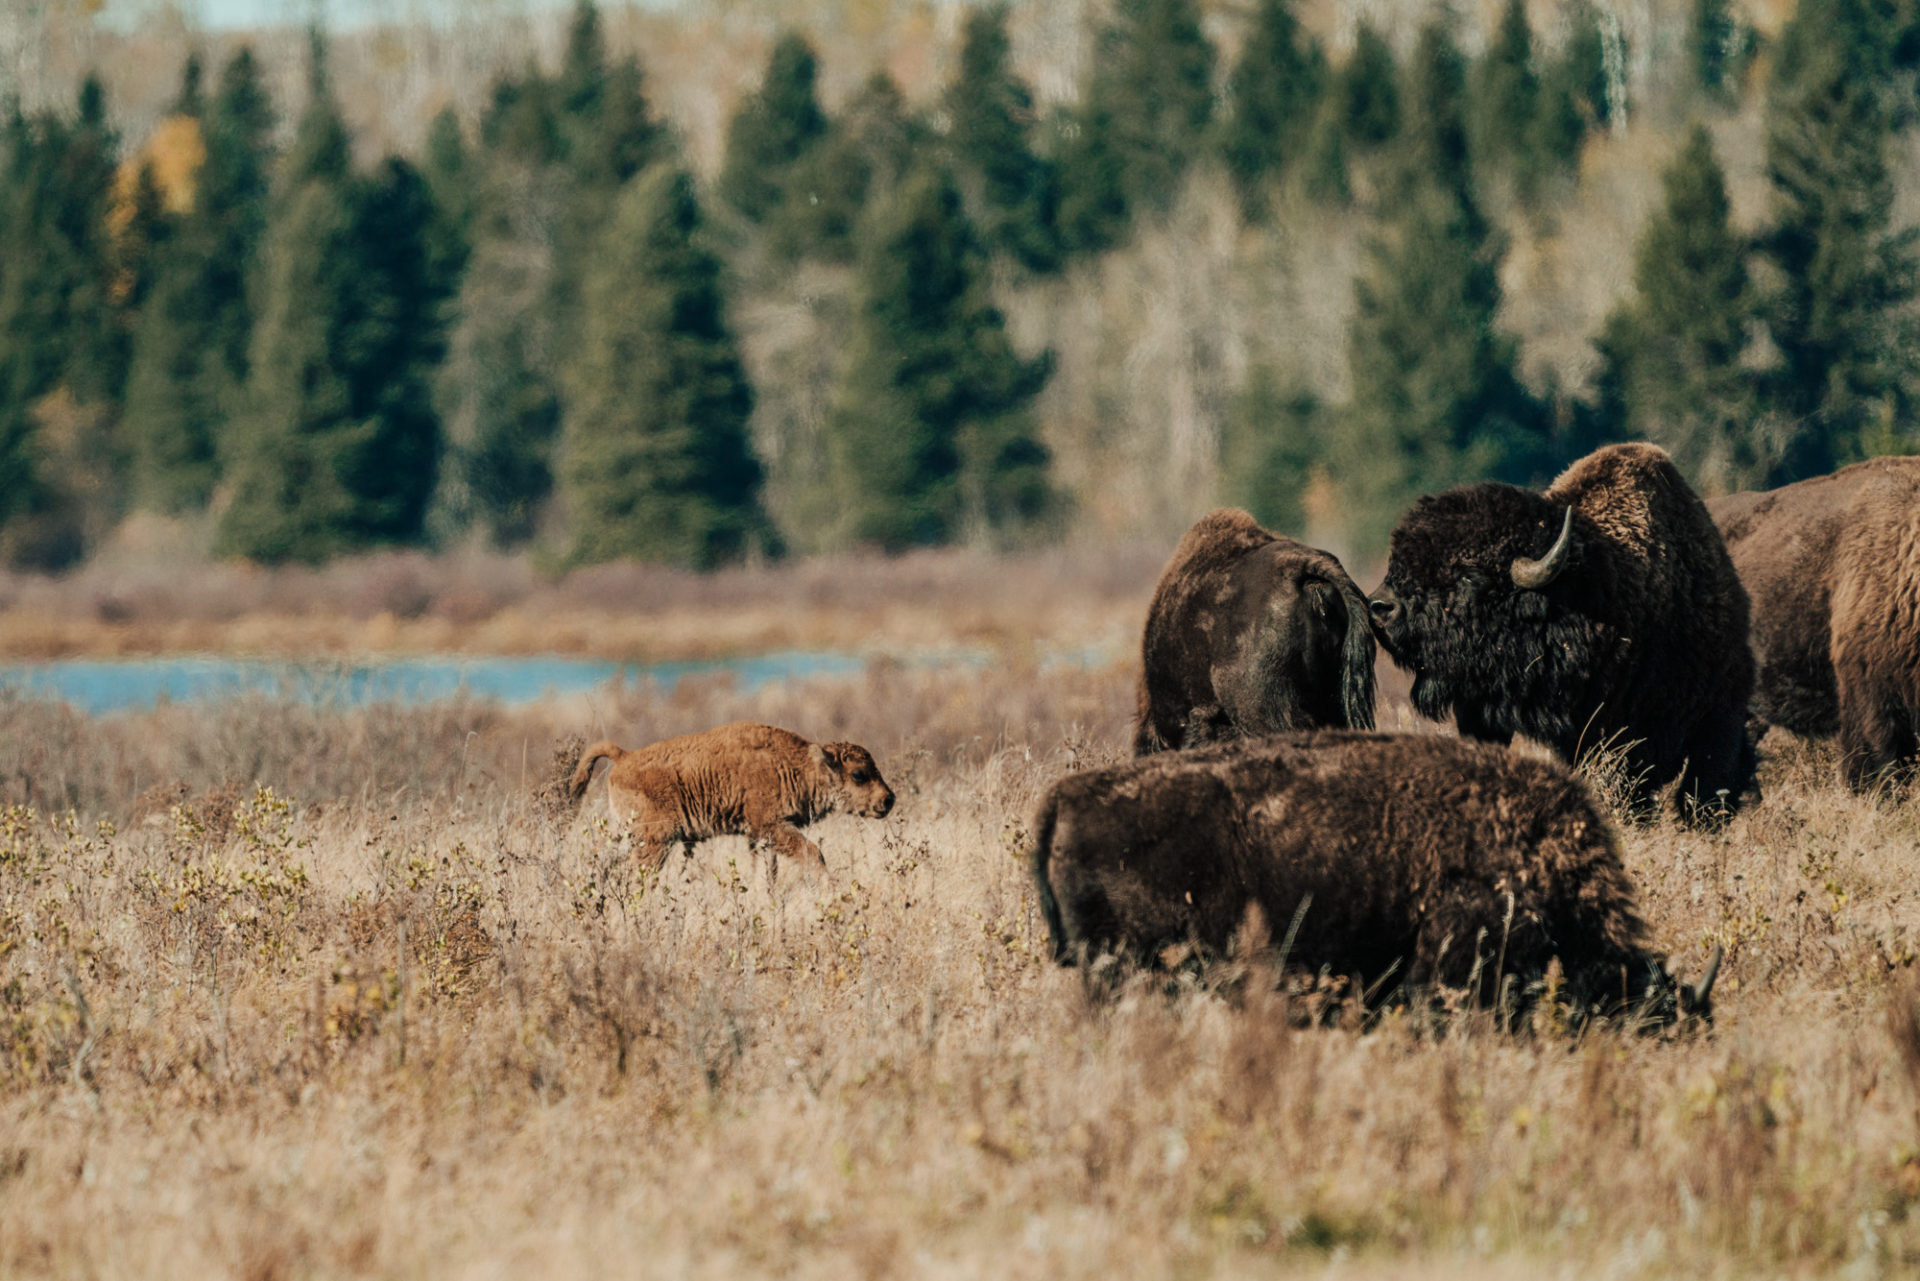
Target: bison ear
{"x":1536,"y":574}
{"x":827,"y":756}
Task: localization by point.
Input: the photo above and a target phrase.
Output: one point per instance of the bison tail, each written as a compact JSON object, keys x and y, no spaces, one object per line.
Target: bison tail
{"x":1043,"y":886}
{"x":1356,"y":662}
{"x":588,"y":759}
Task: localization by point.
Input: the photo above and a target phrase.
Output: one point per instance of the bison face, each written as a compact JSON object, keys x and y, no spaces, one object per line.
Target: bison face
{"x":856,"y":781}
{"x":1466,"y":604}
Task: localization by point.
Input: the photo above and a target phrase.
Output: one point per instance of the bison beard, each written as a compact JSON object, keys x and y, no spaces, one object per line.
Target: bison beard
{"x":1250,"y":633}
{"x":1601,"y":614}
{"x":1408,"y":858}
{"x":1833,"y":567}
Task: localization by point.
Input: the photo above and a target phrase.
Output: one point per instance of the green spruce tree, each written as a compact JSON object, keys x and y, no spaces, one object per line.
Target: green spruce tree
{"x":338,"y":447}
{"x":1841,"y":313}
{"x":1672,"y":353}
{"x":1436,"y":400}
{"x":773,"y":131}
{"x":1270,"y":447}
{"x":930,"y":437}
{"x":658,"y":465}
{"x":1273,"y":95}
{"x":867,"y":149}
{"x":1144,"y":118}
{"x":1009,"y":188}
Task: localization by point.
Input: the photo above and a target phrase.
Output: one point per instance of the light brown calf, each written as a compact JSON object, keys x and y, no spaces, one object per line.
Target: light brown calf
{"x":748,"y":780}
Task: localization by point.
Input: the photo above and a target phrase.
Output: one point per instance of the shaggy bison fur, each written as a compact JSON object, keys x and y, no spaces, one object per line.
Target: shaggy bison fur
{"x":756,"y":781}
{"x":1418,"y":859}
{"x":1602,"y":613}
{"x":1832,"y":565}
{"x":1251,"y":633}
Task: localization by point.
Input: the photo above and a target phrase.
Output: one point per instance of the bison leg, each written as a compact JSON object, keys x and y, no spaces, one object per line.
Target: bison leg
{"x":1878,"y":737}
{"x":784,"y":840}
{"x":1472,"y":723}
{"x":1719,"y":769}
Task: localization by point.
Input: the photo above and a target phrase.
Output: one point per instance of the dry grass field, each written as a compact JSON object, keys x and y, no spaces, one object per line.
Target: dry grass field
{"x":294,"y":993}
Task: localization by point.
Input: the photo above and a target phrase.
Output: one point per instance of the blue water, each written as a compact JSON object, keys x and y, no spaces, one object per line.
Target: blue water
{"x":95,"y":685}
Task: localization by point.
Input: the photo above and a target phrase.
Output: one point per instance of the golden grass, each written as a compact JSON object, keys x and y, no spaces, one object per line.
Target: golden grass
{"x":404,"y":1022}
{"x":482,"y":604}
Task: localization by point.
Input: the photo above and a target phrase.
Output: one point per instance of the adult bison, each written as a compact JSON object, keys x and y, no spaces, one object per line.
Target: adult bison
{"x":1392,"y":857}
{"x":1833,"y":568}
{"x":1602,"y":613}
{"x":1251,"y":633}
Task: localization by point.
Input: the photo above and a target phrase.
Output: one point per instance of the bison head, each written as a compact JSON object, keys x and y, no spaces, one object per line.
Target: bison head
{"x":1474,"y":604}
{"x":853,"y":779}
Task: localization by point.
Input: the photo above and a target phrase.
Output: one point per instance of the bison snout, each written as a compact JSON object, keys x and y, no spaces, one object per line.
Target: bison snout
{"x":1386,"y":613}
{"x":882,"y":807}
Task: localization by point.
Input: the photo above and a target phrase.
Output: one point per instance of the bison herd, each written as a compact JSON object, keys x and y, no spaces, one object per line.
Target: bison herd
{"x":1614,"y":612}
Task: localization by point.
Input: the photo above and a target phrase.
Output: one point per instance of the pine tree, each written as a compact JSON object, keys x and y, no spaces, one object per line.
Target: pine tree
{"x":1573,"y":94}
{"x":657,"y":460}
{"x":930,"y":436}
{"x":1436,"y":401}
{"x":339,"y":446}
{"x":1366,"y":93}
{"x":1009,"y":188}
{"x":866,"y":150}
{"x":1673,"y":352}
{"x":1270,"y":447}
{"x":1841,"y":313}
{"x":773,"y":131}
{"x":1506,"y":91}
{"x":189,"y":345}
{"x":1274,"y":95}
{"x":1434,"y":136}
{"x":1144,"y":118}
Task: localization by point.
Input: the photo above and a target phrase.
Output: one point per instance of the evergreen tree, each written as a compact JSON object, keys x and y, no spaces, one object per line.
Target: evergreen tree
{"x":189,"y":343}
{"x":930,"y":435}
{"x":1711,"y":42}
{"x":1673,"y":352}
{"x":1366,"y":93}
{"x":1274,"y":94}
{"x":1144,"y":118}
{"x":1270,"y":448}
{"x":1573,"y":94}
{"x":657,"y":460}
{"x":1506,"y":90}
{"x":1434,"y":137}
{"x":866,"y":150}
{"x":339,"y":446}
{"x":1436,"y":401}
{"x":773,"y":131}
{"x":1009,"y":188}
{"x":1841,"y":313}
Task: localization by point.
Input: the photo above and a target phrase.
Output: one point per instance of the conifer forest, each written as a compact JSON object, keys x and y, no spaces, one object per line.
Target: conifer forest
{"x":1229,"y":256}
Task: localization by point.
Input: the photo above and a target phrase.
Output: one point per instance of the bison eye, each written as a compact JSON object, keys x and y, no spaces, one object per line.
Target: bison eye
{"x":859,"y":776}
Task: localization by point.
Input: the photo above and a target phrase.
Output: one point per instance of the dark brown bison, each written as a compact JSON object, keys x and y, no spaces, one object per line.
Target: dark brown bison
{"x":1833,"y":567}
{"x":1415,"y":859}
{"x":1602,"y":613}
{"x":1251,"y":633}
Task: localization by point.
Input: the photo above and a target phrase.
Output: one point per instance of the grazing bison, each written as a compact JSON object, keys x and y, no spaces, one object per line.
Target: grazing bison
{"x":1394,"y":858}
{"x":1833,"y":568}
{"x":1251,"y":633}
{"x":1602,"y":613}
{"x":738,"y":780}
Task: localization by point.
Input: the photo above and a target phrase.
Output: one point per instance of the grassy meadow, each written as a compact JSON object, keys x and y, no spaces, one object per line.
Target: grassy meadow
{"x":288,"y":992}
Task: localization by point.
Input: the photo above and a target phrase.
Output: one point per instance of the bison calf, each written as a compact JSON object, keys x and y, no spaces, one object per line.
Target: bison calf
{"x":746,"y":780}
{"x":1416,"y":859}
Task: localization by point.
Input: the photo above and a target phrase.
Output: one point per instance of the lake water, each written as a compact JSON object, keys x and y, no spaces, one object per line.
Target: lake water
{"x":112,"y":685}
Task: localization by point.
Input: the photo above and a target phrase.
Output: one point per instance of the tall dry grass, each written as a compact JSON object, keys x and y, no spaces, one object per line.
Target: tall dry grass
{"x":391,"y":1017}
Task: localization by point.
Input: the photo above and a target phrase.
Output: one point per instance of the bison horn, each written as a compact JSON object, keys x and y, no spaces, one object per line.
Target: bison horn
{"x":1535,"y":574}
{"x":1704,"y":988}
